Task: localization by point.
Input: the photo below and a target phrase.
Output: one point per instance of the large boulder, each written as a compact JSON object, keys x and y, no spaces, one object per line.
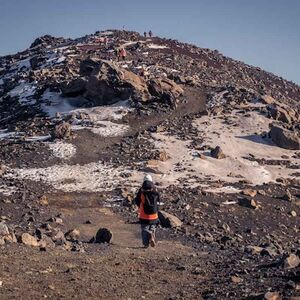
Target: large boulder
{"x":103,"y":235}
{"x":285,"y":138}
{"x":282,"y":113}
{"x":74,"y":87}
{"x":87,"y":66}
{"x":158,"y":87}
{"x":47,"y":40}
{"x":29,"y":240}
{"x":167,"y":220}
{"x":107,"y":84}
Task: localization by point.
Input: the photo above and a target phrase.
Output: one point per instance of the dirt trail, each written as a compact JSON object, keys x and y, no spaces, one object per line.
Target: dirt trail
{"x":137,"y":273}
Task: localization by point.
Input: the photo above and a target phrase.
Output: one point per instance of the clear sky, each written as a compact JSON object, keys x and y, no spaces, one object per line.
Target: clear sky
{"x":264,"y":33}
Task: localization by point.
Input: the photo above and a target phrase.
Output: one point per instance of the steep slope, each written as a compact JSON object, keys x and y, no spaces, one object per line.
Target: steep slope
{"x":79,"y":128}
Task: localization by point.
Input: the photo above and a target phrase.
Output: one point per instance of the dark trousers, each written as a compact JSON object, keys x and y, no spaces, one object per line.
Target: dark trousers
{"x":147,"y":230}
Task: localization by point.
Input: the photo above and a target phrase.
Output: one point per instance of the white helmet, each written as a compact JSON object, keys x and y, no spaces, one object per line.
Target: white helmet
{"x":148,"y":177}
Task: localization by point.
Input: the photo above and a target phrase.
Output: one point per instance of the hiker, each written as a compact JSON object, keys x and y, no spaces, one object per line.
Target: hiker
{"x":122,"y":53}
{"x":105,"y":41}
{"x":145,"y":34}
{"x":150,"y":33}
{"x":147,"y":200}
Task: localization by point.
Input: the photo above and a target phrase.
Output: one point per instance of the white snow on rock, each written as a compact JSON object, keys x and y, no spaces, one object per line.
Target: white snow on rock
{"x":155,"y":46}
{"x":24,"y":91}
{"x":237,"y":142}
{"x":93,"y":177}
{"x":107,"y":128}
{"x":37,"y":138}
{"x":98,"y":119}
{"x":62,"y":150}
{"x":25,"y":63}
{"x":53,"y":103}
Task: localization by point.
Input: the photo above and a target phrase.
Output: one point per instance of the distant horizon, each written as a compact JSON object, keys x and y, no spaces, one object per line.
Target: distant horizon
{"x":264,"y":34}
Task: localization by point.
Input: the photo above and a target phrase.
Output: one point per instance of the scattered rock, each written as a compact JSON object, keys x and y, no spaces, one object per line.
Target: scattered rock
{"x":249,"y":192}
{"x":72,"y":235}
{"x":288,"y":196}
{"x":236,"y":279}
{"x":43,"y":201}
{"x":4,"y":231}
{"x":253,"y":250}
{"x":217,"y":153}
{"x":59,"y":238}
{"x":28,"y":240}
{"x":272,"y":296}
{"x":250,"y":203}
{"x":292,"y":261}
{"x":62,"y":131}
{"x":2,"y":169}
{"x":103,"y":235}
{"x":167,"y":220}
{"x":267,"y":99}
{"x":163,"y":155}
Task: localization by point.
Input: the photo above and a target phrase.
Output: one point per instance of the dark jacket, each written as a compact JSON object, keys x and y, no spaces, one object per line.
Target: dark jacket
{"x":152,"y":198}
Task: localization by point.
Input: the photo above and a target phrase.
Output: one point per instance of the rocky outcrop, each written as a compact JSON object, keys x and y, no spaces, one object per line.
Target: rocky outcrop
{"x":282,"y":113}
{"x":158,"y":87}
{"x":37,"y":61}
{"x":285,"y":138}
{"x":46,"y":40}
{"x":167,"y":220}
{"x":107,"y":83}
{"x":74,"y":87}
{"x":29,"y":240}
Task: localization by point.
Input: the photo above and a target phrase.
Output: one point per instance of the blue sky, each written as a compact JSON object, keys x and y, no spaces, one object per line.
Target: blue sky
{"x":264,"y":33}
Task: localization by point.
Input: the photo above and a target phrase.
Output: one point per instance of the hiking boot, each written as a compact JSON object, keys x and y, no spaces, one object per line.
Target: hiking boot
{"x":152,"y":240}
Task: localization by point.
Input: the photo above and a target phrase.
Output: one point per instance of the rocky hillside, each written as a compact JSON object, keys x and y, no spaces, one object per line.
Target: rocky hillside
{"x":80,"y":125}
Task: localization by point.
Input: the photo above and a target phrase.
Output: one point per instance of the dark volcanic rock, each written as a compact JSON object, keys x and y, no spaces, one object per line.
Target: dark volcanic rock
{"x":285,"y":138}
{"x":73,"y":88}
{"x":103,"y":235}
{"x":217,"y":153}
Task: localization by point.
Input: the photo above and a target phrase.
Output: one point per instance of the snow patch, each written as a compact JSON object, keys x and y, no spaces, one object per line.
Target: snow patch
{"x":108,"y":128}
{"x":38,"y":138}
{"x":62,"y":150}
{"x":93,"y":177}
{"x":24,"y":91}
{"x":155,"y":46}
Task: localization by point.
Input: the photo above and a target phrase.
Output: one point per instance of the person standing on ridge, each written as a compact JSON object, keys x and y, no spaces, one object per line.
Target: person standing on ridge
{"x":150,"y":33}
{"x":145,"y":34}
{"x":147,"y":200}
{"x":123,"y":53}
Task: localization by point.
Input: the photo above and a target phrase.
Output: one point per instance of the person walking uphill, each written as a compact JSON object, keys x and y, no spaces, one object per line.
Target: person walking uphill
{"x":147,"y":200}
